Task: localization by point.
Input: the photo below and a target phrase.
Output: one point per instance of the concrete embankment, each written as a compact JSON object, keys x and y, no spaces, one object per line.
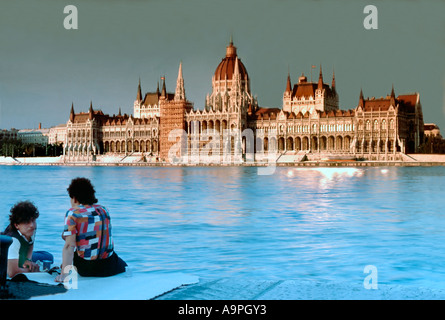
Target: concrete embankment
{"x":415,"y":160}
{"x":242,"y":289}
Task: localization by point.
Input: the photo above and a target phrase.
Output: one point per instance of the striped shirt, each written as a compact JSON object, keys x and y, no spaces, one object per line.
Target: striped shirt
{"x":92,"y":227}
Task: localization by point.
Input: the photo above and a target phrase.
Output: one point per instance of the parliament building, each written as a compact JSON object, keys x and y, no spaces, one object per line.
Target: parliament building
{"x":232,"y":127}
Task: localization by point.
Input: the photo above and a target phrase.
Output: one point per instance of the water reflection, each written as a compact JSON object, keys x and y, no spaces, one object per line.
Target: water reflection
{"x":318,"y":223}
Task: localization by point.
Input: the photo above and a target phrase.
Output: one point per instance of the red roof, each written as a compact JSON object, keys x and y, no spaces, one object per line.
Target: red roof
{"x":406,"y":102}
{"x":266,"y":113}
{"x":307,"y":89}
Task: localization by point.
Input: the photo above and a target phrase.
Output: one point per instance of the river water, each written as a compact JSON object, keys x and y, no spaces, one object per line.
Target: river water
{"x":321,"y":224}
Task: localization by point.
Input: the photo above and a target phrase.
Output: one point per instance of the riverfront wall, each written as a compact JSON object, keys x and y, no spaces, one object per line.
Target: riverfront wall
{"x":412,"y":160}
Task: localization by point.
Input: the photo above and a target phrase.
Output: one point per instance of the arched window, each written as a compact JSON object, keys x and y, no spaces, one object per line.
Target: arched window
{"x":376,"y":125}
{"x":391,"y":124}
{"x":368,"y":125}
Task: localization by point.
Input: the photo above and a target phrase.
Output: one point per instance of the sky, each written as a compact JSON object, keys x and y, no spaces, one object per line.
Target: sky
{"x":44,"y":68}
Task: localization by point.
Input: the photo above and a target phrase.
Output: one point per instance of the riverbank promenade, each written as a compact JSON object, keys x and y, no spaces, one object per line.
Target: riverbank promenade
{"x":297,"y":160}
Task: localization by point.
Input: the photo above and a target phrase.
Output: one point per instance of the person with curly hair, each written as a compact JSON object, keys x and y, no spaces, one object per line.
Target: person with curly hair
{"x":22,"y":229}
{"x":88,"y":244}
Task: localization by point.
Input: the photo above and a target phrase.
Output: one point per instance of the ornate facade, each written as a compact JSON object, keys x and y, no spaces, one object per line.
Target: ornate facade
{"x":232,"y":127}
{"x":93,"y":133}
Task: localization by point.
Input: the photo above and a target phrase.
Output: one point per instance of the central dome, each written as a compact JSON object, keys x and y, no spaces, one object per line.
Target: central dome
{"x":227,"y":66}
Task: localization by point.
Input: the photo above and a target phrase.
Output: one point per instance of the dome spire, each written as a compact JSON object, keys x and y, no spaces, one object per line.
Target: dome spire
{"x":231,"y":49}
{"x":226,"y":69}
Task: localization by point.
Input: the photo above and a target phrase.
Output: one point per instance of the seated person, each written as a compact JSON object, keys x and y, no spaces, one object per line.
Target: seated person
{"x":88,"y":244}
{"x":22,"y":229}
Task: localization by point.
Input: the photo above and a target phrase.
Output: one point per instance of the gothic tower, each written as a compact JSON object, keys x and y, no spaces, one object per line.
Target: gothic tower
{"x":310,"y":96}
{"x":180,"y":91}
{"x":172,"y":117}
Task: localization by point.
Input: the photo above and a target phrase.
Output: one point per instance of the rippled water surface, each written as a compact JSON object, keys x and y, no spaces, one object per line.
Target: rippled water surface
{"x":324,"y":224}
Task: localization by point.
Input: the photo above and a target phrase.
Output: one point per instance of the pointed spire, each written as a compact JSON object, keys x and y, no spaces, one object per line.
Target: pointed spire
{"x":180,"y":90}
{"x":164,"y":91}
{"x":90,"y":111}
{"x":139,"y":93}
{"x":180,"y":70}
{"x":288,"y":84}
{"x":236,"y":73}
{"x":119,"y":114}
{"x":393,"y":97}
{"x":361,"y":101}
{"x":72,"y":112}
{"x":157,"y":89}
{"x":333,"y":80}
{"x":320,"y":79}
{"x":236,"y":77}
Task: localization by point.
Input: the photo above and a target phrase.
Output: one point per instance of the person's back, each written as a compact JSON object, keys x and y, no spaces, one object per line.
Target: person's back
{"x":92,"y":226}
{"x":87,"y":234}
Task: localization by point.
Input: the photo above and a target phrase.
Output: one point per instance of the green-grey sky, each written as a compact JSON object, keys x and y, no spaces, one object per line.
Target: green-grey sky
{"x":44,"y":67}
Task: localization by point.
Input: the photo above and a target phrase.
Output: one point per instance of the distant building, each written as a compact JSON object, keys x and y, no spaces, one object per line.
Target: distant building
{"x":310,"y":122}
{"x":57,"y":134}
{"x":34,"y":136}
{"x":82,"y":138}
{"x":8,"y":134}
{"x":93,"y":132}
{"x":432,"y":130}
{"x":390,"y":124}
{"x":434,"y":143}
